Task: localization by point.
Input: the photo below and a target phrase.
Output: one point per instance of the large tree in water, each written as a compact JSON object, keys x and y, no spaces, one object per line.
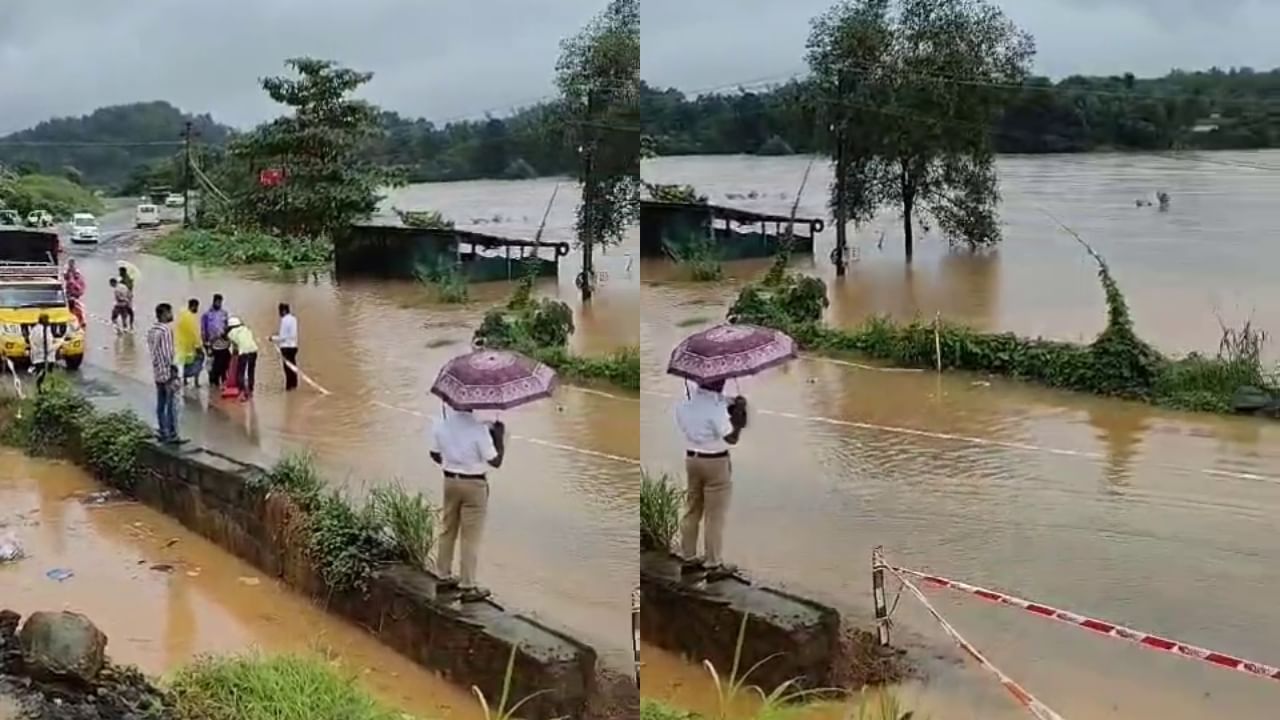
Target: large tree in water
{"x":599,"y":79}
{"x":910,"y":90}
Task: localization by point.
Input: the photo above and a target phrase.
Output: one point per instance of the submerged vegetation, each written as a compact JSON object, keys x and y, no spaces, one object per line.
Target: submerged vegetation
{"x":1118,"y":363}
{"x":541,"y":328}
{"x":221,"y":248}
{"x":446,"y":280}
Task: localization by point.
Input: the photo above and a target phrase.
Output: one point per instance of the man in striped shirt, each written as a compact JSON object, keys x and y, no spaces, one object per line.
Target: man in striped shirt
{"x":165,"y":369}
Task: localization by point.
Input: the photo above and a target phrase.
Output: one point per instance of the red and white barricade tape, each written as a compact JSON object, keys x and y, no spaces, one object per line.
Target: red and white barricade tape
{"x":1034,"y":706}
{"x":1102,"y":627}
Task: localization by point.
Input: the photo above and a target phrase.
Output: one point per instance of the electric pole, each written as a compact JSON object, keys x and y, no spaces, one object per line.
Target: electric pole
{"x":186,"y":175}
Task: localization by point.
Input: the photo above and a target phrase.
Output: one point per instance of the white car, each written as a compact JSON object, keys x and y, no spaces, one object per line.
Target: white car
{"x":175,"y":200}
{"x":39,"y":218}
{"x":84,"y":228}
{"x":146,"y":215}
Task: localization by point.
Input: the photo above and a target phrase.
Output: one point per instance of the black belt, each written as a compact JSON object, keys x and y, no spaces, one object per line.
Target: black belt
{"x":706,"y":456}
{"x":463,"y":476}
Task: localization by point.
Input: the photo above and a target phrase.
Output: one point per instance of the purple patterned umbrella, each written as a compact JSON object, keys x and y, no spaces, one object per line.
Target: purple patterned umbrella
{"x":493,"y":380}
{"x":730,"y":351}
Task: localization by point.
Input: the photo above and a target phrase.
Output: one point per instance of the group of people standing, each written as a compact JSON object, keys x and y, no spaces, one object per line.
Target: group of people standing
{"x":180,"y":348}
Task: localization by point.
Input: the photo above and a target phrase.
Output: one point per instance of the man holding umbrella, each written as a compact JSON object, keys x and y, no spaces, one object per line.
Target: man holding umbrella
{"x":711,"y":423}
{"x":466,"y":448}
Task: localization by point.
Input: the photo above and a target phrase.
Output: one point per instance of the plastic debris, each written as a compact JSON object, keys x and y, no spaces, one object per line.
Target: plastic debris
{"x":10,"y":549}
{"x":59,"y":574}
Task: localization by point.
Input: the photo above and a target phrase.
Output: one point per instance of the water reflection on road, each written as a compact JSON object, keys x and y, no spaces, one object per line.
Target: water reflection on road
{"x":1161,"y":520}
{"x":561,"y":533}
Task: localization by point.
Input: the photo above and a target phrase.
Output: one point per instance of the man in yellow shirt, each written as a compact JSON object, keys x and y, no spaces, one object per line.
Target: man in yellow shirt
{"x":245,"y":348}
{"x":188,"y":350}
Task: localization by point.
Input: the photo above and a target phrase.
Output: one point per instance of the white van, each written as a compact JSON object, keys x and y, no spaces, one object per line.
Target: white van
{"x":146,"y":215}
{"x":175,"y":200}
{"x":84,"y":228}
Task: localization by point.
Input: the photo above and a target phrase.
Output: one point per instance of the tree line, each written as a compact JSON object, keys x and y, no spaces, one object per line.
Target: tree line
{"x":1215,"y":109}
{"x":127,"y":148}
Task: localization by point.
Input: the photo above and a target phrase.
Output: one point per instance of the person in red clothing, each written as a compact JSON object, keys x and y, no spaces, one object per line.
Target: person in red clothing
{"x":74,"y":284}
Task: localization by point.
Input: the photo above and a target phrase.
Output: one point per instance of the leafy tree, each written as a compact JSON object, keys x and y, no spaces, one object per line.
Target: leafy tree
{"x":925,"y":83}
{"x":598,"y":74}
{"x":329,"y":181}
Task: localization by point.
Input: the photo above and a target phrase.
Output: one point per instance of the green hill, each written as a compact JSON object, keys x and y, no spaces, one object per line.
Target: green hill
{"x":105,"y":146}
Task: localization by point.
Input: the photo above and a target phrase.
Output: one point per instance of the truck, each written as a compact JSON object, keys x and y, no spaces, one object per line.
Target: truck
{"x":30,"y":286}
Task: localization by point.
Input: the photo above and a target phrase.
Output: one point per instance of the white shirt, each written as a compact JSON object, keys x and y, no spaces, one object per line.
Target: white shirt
{"x":40,"y":348}
{"x":704,"y":421}
{"x":464,"y":443}
{"x":288,"y":337}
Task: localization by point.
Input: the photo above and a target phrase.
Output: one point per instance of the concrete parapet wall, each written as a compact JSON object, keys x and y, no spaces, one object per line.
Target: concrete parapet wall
{"x":215,"y":496}
{"x":702,"y":620}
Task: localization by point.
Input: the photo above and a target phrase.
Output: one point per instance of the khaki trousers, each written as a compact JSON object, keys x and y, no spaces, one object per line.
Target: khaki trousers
{"x":466,"y":502}
{"x":707,"y":498}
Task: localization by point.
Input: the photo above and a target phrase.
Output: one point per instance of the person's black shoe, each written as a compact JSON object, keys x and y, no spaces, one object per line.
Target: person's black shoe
{"x":447,"y":584}
{"x":474,"y":594}
{"x":722,"y":571}
{"x":691,"y":566}
{"x":176,"y":441}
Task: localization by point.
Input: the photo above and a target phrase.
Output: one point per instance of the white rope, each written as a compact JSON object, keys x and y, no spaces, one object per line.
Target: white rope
{"x":987,"y":442}
{"x":534,"y":441}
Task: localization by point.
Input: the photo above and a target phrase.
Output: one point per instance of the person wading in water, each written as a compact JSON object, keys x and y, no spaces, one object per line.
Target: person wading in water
{"x":710,"y":424}
{"x":213,"y":331}
{"x":465,"y":448}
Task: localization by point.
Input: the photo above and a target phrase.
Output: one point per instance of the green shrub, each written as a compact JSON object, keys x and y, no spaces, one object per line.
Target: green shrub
{"x":675,"y":193}
{"x":346,"y":544}
{"x":408,"y":522}
{"x":111,"y":444}
{"x":285,"y":687}
{"x":295,"y":475}
{"x":660,"y":507}
{"x":427,"y":219}
{"x":620,"y":367}
{"x":219,"y":248}
{"x":448,"y":281}
{"x":698,"y":255}
{"x":1117,"y":363}
{"x":53,"y":419}
{"x":775,"y":145}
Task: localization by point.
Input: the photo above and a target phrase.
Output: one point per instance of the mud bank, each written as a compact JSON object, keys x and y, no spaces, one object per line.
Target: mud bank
{"x":797,"y":639}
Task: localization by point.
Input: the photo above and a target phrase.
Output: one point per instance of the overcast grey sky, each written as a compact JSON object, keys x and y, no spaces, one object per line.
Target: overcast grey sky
{"x":433,"y":58}
{"x":698,"y":44}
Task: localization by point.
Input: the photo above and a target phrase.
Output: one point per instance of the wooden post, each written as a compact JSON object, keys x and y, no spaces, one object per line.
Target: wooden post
{"x":937,"y":339}
{"x":878,"y":597}
{"x":635,"y":631}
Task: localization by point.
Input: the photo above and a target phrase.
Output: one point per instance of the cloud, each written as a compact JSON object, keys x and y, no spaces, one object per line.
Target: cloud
{"x":719,"y":43}
{"x":439,"y":59}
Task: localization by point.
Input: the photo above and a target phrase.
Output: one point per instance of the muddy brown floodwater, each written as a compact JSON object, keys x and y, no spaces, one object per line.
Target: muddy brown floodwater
{"x":164,"y":595}
{"x":1160,"y":520}
{"x":561,"y":538}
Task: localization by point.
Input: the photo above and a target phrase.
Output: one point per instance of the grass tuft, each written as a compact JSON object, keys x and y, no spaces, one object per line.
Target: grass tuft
{"x":284,"y":687}
{"x":660,"y":504}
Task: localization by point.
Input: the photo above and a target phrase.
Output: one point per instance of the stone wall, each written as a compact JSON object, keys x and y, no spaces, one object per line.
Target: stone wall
{"x":215,"y":496}
{"x":702,"y":622}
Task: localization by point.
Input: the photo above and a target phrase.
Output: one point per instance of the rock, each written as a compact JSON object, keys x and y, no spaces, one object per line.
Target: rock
{"x":62,"y":644}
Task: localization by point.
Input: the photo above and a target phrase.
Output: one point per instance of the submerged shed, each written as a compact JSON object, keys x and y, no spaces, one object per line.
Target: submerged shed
{"x":407,"y":253}
{"x":668,"y":227}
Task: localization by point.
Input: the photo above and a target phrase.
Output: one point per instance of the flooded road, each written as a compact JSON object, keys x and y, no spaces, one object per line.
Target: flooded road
{"x":1163,"y":521}
{"x":561,"y":538}
{"x":164,"y":595}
